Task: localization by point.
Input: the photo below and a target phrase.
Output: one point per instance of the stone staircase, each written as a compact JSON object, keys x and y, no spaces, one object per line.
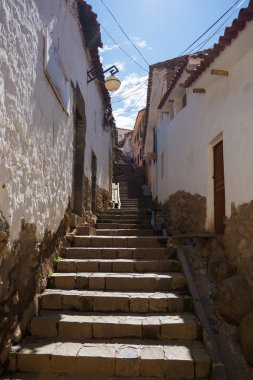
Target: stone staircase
{"x":117,"y":306}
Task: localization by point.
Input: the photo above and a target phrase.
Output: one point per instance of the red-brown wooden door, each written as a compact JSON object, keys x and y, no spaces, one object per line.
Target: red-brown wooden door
{"x":219,"y":188}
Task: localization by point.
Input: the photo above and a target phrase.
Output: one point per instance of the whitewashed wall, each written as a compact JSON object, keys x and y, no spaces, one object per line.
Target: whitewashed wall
{"x":36,"y":135}
{"x":226,"y":112}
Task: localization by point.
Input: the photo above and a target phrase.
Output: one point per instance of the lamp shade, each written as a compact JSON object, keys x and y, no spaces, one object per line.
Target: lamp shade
{"x":112,"y":83}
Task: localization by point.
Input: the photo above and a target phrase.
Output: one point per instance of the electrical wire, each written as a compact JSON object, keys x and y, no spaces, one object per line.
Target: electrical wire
{"x":138,"y":50}
{"x":216,"y":22}
{"x":129,"y":56}
{"x":187,"y":52}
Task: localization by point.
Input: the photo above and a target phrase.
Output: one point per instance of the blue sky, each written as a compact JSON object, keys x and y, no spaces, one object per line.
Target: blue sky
{"x":161,"y":29}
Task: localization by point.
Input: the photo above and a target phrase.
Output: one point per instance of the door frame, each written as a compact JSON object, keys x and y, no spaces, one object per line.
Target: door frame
{"x":79,"y":119}
{"x":210,"y":225}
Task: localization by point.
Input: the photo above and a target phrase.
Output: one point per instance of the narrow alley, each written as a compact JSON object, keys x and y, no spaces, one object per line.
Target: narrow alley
{"x":118,"y":304}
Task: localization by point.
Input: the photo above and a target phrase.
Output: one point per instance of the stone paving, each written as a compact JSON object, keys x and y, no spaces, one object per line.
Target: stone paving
{"x":116,"y":307}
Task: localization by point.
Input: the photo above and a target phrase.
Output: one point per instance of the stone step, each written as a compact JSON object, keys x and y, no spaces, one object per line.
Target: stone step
{"x":125,"y":232}
{"x":126,"y":212}
{"x":120,"y":241}
{"x":123,"y":221}
{"x":122,"y":302}
{"x":82,"y":326}
{"x":118,"y":281}
{"x":180,"y":359}
{"x":118,"y":253}
{"x":52,"y":376}
{"x":118,"y":265}
{"x":133,"y":216}
{"x":105,"y":226}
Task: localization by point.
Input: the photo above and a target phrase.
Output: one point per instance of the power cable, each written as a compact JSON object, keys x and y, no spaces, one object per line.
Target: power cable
{"x":124,"y":32}
{"x":129,"y":56}
{"x":216,"y":22}
{"x":184,"y":53}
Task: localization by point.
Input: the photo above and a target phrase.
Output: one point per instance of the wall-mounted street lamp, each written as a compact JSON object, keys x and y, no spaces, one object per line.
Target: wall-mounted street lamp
{"x":112,"y":83}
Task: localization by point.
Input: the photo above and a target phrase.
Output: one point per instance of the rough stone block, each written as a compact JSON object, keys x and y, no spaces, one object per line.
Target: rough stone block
{"x":158,"y":303}
{"x":65,"y":281}
{"x":66,"y":266}
{"x":127,"y":361}
{"x":96,"y":361}
{"x":178,"y":281}
{"x":105,"y":241}
{"x":83,"y":241}
{"x":123,"y":266}
{"x":202,"y":361}
{"x":64,"y":357}
{"x":82,"y":282}
{"x":119,"y":242}
{"x":93,"y":253}
{"x":111,"y":303}
{"x":96,"y":282}
{"x":51,"y":301}
{"x":125,"y":253}
{"x":36,"y":357}
{"x":139,"y":304}
{"x":87,"y":266}
{"x":44,"y":326}
{"x":74,"y":329}
{"x":70,"y":302}
{"x":109,"y":253}
{"x":152,"y":362}
{"x":179,"y":362}
{"x":141,"y":242}
{"x":105,"y":266}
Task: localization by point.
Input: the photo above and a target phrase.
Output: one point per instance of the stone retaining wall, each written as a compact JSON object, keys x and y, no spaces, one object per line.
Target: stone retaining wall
{"x":24,"y":268}
{"x":186,"y":212}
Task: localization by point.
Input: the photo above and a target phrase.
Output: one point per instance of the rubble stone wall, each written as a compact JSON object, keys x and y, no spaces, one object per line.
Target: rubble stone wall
{"x":186,"y":212}
{"x":230,"y":267}
{"x":25,"y":265}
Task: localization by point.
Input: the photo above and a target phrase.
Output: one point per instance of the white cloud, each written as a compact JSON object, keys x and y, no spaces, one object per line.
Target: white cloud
{"x":141,"y":43}
{"x":129,"y":100}
{"x":119,"y":64}
{"x":106,"y":48}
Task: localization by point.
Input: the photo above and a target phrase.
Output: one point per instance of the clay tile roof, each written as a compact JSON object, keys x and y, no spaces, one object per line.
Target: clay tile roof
{"x":173,"y":81}
{"x":170,"y":64}
{"x":245,"y":15}
{"x":92,"y":38}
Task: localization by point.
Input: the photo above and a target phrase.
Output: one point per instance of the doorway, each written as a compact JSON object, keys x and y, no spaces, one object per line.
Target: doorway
{"x":93,"y":182}
{"x":79,"y":150}
{"x":219,"y":188}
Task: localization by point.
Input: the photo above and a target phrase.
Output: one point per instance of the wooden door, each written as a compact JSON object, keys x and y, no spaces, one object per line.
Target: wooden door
{"x":219,"y":188}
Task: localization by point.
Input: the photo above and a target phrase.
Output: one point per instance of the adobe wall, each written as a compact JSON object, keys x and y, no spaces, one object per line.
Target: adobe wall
{"x":36,"y":142}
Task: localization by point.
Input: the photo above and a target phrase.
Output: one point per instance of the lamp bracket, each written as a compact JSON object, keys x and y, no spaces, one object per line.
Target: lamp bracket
{"x":96,"y":71}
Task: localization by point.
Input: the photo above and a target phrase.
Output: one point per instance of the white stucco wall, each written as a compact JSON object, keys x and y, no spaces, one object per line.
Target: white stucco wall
{"x":36,"y":135}
{"x":226,"y":112}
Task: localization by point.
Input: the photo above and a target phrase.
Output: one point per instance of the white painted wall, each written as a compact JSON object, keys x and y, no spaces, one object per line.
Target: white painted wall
{"x":36,"y":135}
{"x":226,"y":109}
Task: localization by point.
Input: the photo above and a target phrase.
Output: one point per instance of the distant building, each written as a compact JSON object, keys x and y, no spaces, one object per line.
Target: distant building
{"x":138,"y":138}
{"x":124,"y":138}
{"x":121,"y":133}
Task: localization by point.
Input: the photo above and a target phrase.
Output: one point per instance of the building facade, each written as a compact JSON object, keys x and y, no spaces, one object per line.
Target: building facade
{"x":202,"y":170}
{"x":138,"y":138}
{"x":55,"y":142}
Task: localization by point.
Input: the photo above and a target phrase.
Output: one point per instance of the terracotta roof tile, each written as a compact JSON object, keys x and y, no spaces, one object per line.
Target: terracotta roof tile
{"x":245,"y":15}
{"x":92,"y":37}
